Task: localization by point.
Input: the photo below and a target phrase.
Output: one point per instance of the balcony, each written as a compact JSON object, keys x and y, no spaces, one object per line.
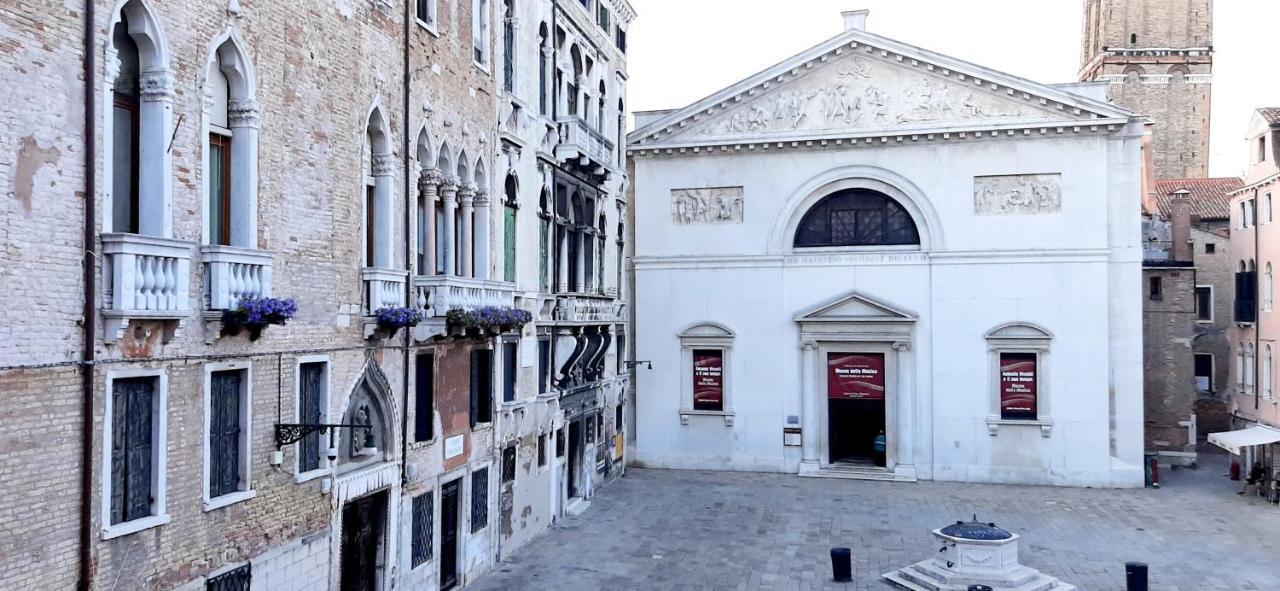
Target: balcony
{"x":584,"y":146}
{"x":233,"y":274}
{"x":588,"y":309}
{"x":147,"y":278}
{"x":383,"y":288}
{"x":435,"y":295}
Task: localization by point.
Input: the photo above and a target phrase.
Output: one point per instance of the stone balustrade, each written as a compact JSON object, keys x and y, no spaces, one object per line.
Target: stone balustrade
{"x":383,"y":288}
{"x":145,"y":277}
{"x":578,"y":308}
{"x":435,"y":295}
{"x":232,"y":274}
{"x":578,"y":140}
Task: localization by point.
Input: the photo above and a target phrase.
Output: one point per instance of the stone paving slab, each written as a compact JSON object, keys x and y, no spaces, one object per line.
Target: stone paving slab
{"x":677,"y":530}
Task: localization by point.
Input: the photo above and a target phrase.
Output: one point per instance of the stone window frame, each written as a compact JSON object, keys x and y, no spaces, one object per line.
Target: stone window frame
{"x":481,"y":25}
{"x":1212,"y":303}
{"x":229,"y":53}
{"x":155,"y":115}
{"x":326,"y":396}
{"x":377,"y":170}
{"x":1020,"y":337}
{"x":1268,"y":287}
{"x":246,"y":490}
{"x":418,"y":536}
{"x":706,"y":335}
{"x":160,"y":433}
{"x":430,"y":25}
{"x":1268,"y":371}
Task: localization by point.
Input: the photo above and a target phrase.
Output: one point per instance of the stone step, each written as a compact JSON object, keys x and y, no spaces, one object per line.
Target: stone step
{"x":898,"y":582}
{"x":924,"y":576}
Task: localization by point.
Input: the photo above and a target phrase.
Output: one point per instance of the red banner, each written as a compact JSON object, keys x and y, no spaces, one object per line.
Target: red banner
{"x":1018,"y":386}
{"x":708,"y":380}
{"x":855,"y":376}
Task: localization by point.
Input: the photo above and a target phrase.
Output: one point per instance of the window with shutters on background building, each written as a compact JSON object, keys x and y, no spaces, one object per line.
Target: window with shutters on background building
{"x":313,"y":399}
{"x":481,"y":386}
{"x":228,"y":431}
{"x":133,"y":444}
{"x":424,"y":397}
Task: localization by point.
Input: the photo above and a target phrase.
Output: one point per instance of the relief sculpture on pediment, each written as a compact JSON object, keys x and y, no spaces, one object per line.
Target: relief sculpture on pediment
{"x":1024,"y":194}
{"x":713,"y":205}
{"x":861,"y":92}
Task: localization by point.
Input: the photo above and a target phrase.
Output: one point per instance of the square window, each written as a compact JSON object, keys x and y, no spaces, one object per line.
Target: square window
{"x":1210,"y":248}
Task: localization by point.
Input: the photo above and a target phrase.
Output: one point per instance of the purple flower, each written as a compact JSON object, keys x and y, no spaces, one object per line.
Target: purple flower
{"x":258,"y":313}
{"x":398,"y":317}
{"x":499,"y":318}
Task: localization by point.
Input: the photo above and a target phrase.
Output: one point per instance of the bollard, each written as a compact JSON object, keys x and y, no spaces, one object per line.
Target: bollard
{"x":1135,"y":576}
{"x":842,"y":564}
{"x":980,"y":588}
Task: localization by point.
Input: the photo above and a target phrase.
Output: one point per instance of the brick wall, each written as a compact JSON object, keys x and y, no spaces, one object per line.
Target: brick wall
{"x":1168,"y":373}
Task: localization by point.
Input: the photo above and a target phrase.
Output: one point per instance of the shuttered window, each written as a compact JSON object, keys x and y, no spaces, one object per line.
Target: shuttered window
{"x":132,"y":443}
{"x":422,"y":528}
{"x":479,"y":499}
{"x":509,"y":371}
{"x":424,"y":397}
{"x":481,"y":386}
{"x":544,"y":365}
{"x":509,"y":243}
{"x":225,"y":391}
{"x":310,"y":401}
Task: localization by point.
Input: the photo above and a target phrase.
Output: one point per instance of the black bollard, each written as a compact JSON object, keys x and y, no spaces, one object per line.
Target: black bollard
{"x":979,"y":588}
{"x":1135,"y":576}
{"x":842,"y":564}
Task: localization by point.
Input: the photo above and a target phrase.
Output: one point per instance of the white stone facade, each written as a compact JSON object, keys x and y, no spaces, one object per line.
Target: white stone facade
{"x":1025,"y":199}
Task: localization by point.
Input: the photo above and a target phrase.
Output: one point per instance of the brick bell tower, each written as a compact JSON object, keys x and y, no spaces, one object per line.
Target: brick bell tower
{"x":1157,"y":56}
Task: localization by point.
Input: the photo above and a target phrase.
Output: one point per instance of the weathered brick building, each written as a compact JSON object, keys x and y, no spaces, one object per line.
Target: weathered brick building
{"x":1157,"y":56}
{"x":345,"y":155}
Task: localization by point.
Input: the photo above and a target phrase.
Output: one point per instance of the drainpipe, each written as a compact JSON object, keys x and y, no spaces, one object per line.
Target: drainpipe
{"x":90,"y":319}
{"x":408,"y":261}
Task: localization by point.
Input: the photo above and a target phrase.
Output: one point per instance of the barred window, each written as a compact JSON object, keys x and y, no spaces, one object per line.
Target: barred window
{"x":235,"y":580}
{"x":856,"y":217}
{"x":422,"y":528}
{"x":479,"y":499}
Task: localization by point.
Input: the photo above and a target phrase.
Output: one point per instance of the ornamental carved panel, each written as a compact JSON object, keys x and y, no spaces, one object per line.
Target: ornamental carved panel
{"x":713,"y":205}
{"x":1023,"y":194}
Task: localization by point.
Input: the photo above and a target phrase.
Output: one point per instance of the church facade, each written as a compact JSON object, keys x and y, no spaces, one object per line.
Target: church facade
{"x":875,"y":261}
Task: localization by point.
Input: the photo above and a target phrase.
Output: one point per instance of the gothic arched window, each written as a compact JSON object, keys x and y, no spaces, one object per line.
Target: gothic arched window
{"x":856,"y":217}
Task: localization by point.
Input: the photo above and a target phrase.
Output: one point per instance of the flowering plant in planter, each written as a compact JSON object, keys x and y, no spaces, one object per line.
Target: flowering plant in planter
{"x":398,"y":317}
{"x":255,"y":314}
{"x":489,"y":318}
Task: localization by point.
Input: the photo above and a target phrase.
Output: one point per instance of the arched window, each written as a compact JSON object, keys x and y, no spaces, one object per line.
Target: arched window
{"x":600,"y":119}
{"x":856,"y":217}
{"x":1268,"y":289}
{"x":232,"y":160}
{"x":622,"y":242}
{"x":571,"y":92}
{"x":1240,"y":366}
{"x":509,"y":206}
{"x":509,"y":47}
{"x":544,"y":63}
{"x":1250,"y":362}
{"x":377,"y":189}
{"x":544,"y":238}
{"x":621,"y":144}
{"x":600,"y":240}
{"x":574,"y":250}
{"x":1267,"y":391}
{"x":139,"y":125}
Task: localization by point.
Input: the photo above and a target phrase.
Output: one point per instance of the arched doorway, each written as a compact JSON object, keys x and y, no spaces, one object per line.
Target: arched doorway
{"x":366,"y":485}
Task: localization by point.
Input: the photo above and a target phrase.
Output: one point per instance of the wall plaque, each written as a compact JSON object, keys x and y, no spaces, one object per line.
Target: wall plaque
{"x":453,"y":446}
{"x":713,"y":205}
{"x":1023,"y":194}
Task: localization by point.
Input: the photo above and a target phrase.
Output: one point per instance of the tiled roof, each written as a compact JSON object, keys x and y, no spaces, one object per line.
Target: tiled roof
{"x":1271,"y":114}
{"x":1209,"y":197}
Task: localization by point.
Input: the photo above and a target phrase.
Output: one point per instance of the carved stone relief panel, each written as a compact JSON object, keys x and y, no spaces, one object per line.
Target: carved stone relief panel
{"x":863,"y":92}
{"x":1023,"y":194}
{"x":713,"y":205}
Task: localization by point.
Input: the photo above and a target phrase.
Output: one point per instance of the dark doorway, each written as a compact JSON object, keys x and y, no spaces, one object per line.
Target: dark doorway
{"x":1204,"y":372}
{"x":449,"y":534}
{"x":852,"y":427}
{"x":575,"y":458}
{"x":363,"y":525}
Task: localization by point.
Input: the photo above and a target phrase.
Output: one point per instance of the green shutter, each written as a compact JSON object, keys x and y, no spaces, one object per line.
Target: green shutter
{"x":542,"y":256}
{"x":509,"y":244}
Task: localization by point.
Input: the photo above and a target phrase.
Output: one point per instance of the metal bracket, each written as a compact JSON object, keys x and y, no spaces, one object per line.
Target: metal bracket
{"x":289,"y":433}
{"x":633,"y":364}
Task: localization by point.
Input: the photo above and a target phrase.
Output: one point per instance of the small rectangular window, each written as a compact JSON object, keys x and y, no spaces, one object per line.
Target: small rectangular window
{"x":544,"y":365}
{"x":424,"y":397}
{"x":708,"y":379}
{"x":617,"y":418}
{"x":1204,"y":303}
{"x":426,"y":11}
{"x":1204,"y":372}
{"x":226,"y":389}
{"x":620,"y":39}
{"x":542,"y":450}
{"x":481,"y":386}
{"x":132,"y":448}
{"x":422,"y":528}
{"x":1155,"y":289}
{"x":560,"y":442}
{"x":479,"y":499}
{"x":311,"y":400}
{"x":620,"y":350}
{"x":1262,"y":149}
{"x":509,"y":370}
{"x":509,"y":464}
{"x":1210,"y":248}
{"x":1018,"y":381}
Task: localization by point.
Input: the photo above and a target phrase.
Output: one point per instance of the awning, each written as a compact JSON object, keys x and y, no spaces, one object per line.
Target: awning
{"x":1232,"y":441}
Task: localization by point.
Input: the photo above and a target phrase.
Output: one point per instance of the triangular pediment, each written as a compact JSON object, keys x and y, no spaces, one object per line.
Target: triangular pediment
{"x":855,"y":307}
{"x":859,"y":84}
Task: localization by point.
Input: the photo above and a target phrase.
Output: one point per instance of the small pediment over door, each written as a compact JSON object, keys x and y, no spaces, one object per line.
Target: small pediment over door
{"x":855,"y":307}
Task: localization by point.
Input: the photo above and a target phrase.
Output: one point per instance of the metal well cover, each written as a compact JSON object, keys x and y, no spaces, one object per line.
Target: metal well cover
{"x":973,"y":530}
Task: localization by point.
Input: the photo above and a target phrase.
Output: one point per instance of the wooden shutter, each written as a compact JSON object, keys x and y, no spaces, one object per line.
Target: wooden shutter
{"x":424,"y":397}
{"x":119,"y":443}
{"x":224,"y":432}
{"x":131,"y":448}
{"x":509,"y":370}
{"x":509,"y":243}
{"x":309,"y":413}
{"x":544,"y":233}
{"x":475,"y":387}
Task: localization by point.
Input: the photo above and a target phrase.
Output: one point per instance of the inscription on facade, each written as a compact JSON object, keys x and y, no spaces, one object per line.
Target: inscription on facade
{"x":1024,"y":194}
{"x":713,"y":205}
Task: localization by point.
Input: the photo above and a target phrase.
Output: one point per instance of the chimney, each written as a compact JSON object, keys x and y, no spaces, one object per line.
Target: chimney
{"x":855,"y":19}
{"x":1180,"y":211}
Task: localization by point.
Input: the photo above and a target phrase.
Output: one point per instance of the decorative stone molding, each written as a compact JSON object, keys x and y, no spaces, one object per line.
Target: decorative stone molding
{"x":1027,"y":194}
{"x":481,"y":199}
{"x":467,"y":194}
{"x":449,"y":190}
{"x":382,"y":164}
{"x":156,"y":86}
{"x":713,"y":205}
{"x":243,"y":113}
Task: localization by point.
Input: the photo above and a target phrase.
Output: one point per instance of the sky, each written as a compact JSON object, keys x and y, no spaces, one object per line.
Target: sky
{"x":682,"y":50}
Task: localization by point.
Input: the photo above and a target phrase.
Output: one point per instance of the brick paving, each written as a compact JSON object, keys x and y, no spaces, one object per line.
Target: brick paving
{"x":662,"y":529}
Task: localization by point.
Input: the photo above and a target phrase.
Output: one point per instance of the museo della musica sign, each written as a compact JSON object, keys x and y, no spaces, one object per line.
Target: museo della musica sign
{"x":855,"y":376}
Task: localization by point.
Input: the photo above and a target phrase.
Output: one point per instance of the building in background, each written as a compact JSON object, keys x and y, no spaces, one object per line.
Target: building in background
{"x":1157,"y":58}
{"x":398,"y":220}
{"x":1255,"y":254}
{"x":870,"y":237}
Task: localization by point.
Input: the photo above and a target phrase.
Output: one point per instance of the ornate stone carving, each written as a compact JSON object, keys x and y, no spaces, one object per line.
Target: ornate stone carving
{"x":1025,"y":194}
{"x":714,"y":205}
{"x":862,"y":92}
{"x":481,"y":199}
{"x":382,"y":164}
{"x":156,"y":86}
{"x":466,"y":194}
{"x":243,"y":113}
{"x":429,"y":181}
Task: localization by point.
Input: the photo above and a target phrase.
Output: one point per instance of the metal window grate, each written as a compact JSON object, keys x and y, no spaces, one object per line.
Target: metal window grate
{"x":422,"y":528}
{"x":479,"y":499}
{"x":236,"y":580}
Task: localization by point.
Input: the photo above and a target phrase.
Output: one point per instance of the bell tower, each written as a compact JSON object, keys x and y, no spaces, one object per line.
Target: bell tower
{"x":1157,"y":57}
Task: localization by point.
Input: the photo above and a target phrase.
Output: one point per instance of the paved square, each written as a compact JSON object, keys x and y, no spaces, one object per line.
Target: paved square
{"x":660,"y":529}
